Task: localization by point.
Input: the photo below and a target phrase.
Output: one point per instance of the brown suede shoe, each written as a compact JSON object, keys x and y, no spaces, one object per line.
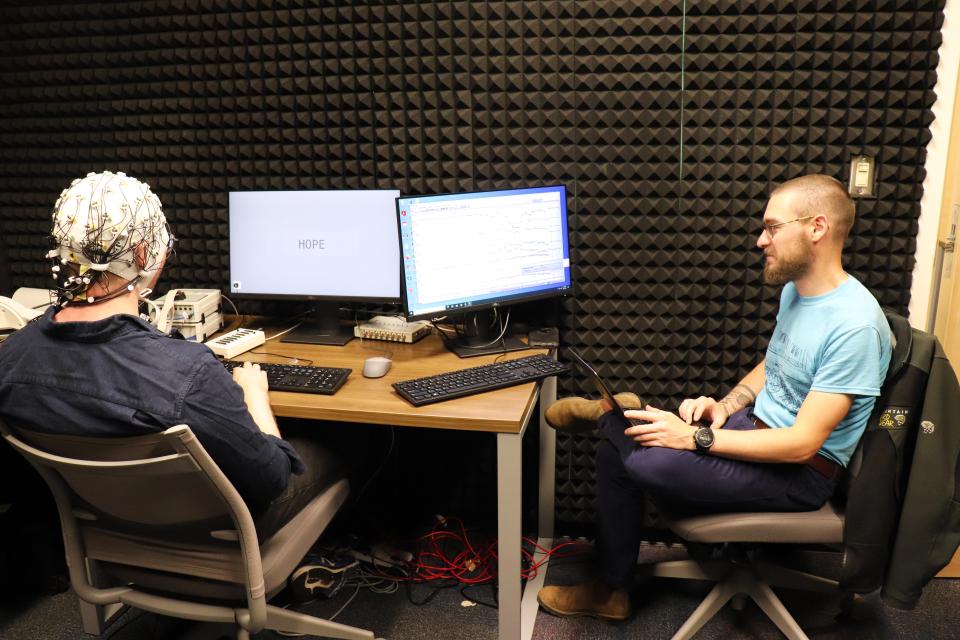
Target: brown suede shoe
{"x":592,"y":599}
{"x":579,"y":414}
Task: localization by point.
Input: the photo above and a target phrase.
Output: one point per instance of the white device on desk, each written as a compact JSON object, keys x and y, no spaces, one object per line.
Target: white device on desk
{"x":195,"y":305}
{"x":392,"y":329}
{"x":14,"y":315}
{"x":200,"y":331}
{"x":197,"y":313}
{"x":26,"y":304}
{"x":35,"y":298}
{"x":193,"y":312}
{"x":236,"y":342}
{"x":376,"y":367}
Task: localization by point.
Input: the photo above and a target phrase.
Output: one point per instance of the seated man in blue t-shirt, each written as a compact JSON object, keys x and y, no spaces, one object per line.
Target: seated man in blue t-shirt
{"x":779,"y":439}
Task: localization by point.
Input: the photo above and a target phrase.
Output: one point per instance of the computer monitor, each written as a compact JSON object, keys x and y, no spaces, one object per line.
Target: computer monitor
{"x":323,"y":246}
{"x":464,"y":253}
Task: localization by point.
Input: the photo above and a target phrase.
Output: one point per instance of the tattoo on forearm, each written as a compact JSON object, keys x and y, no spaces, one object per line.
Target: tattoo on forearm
{"x":740,"y":396}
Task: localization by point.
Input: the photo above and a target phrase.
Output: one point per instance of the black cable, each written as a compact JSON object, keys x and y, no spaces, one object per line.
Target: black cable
{"x":433,"y":594}
{"x":494,"y":605}
{"x":280,"y":355}
{"x":383,"y":463}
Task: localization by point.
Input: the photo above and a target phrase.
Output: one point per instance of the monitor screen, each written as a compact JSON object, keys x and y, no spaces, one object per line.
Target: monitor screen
{"x":470,"y":251}
{"x":315,"y":245}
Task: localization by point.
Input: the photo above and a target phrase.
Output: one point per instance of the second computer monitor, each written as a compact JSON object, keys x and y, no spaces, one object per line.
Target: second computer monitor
{"x":326,"y":246}
{"x":471,"y":251}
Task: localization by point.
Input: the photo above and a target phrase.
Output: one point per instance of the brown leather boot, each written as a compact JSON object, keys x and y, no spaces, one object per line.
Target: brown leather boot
{"x":593,"y":599}
{"x":579,"y":414}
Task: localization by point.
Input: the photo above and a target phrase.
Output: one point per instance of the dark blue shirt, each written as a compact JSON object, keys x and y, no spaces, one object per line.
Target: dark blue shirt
{"x":122,"y":377}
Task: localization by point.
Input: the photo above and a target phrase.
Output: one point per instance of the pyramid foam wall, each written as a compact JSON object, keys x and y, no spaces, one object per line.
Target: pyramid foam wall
{"x":668,"y":129}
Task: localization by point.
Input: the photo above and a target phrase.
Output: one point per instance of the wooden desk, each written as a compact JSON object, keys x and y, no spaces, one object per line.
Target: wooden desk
{"x":373,"y":400}
{"x":505,"y":412}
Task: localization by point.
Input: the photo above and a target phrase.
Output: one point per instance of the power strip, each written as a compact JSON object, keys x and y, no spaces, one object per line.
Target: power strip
{"x":236,"y":342}
{"x":392,"y":329}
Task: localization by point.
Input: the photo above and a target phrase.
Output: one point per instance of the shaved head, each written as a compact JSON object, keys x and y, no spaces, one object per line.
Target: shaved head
{"x":818,"y":194}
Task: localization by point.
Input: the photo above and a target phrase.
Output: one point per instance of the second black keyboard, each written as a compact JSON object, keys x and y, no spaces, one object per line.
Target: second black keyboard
{"x":465,"y":382}
{"x":298,"y":377}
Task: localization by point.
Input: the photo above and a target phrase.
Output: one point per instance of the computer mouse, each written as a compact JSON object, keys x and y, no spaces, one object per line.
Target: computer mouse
{"x":376,"y":367}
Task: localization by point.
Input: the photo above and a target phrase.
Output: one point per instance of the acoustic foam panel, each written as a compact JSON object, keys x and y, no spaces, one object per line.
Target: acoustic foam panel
{"x":669,"y":130}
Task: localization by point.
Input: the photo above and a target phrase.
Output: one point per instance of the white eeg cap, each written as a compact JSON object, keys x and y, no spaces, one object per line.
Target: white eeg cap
{"x":98,"y":223}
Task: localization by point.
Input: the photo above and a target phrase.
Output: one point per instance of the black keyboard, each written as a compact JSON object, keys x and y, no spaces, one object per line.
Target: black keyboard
{"x":298,"y":377}
{"x":466,"y":382}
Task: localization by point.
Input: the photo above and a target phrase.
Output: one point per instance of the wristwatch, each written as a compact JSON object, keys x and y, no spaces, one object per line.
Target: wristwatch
{"x":703,"y":439}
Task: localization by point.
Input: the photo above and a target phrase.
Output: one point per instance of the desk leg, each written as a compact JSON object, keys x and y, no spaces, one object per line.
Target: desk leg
{"x":548,"y":462}
{"x":518,"y":607}
{"x":545,"y":510}
{"x":509,"y":534}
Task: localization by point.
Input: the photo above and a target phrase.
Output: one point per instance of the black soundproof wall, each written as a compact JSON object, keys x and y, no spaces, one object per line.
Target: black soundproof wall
{"x":668,"y":121}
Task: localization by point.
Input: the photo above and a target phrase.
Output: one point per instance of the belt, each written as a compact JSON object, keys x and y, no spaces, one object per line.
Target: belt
{"x":823,"y":465}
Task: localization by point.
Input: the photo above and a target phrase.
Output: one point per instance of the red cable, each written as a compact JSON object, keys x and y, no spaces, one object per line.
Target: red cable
{"x":468,"y":565}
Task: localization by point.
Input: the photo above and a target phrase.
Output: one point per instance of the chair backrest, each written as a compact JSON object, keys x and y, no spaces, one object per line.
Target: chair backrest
{"x":139,"y":481}
{"x":161,"y":486}
{"x":874,"y":486}
{"x":901,"y":338}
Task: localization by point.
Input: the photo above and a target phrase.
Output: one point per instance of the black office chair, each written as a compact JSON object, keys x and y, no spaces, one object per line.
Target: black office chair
{"x":728,"y":548}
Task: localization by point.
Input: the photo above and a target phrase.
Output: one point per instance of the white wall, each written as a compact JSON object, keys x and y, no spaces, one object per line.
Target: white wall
{"x":933,"y":185}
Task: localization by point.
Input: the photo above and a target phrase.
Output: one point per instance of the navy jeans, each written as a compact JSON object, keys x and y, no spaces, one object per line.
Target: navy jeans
{"x":703,"y":483}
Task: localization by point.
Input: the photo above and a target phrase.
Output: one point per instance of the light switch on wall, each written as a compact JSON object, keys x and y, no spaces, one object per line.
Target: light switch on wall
{"x":862,"y":177}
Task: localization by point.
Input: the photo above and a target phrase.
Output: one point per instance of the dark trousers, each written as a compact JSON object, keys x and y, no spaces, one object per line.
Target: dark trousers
{"x":329,"y":451}
{"x":703,"y":483}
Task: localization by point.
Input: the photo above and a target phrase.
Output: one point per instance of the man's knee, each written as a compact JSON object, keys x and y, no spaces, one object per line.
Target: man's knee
{"x":653,"y":467}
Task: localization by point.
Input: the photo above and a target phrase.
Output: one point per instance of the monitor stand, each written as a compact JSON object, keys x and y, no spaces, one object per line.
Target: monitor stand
{"x":477,"y":335}
{"x":321,"y":326}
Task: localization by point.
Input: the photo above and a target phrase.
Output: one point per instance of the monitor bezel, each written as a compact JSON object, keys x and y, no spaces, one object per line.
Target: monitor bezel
{"x":293,"y":297}
{"x":503,"y":300}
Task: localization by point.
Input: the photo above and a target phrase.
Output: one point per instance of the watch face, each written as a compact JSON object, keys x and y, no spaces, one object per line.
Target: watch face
{"x":703,"y":437}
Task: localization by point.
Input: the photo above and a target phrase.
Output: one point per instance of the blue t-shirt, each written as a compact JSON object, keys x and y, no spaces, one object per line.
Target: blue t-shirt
{"x":838,"y":342}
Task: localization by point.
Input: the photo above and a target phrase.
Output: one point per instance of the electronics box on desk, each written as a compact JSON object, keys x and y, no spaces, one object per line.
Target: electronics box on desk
{"x":195,"y":306}
{"x":392,"y":329}
{"x":200,"y":331}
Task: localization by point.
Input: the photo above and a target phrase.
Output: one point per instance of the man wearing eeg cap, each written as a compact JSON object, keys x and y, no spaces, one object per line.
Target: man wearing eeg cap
{"x":91,"y":366}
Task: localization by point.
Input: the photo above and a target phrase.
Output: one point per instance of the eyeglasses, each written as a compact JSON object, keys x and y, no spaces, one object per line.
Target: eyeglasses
{"x":771,"y":229}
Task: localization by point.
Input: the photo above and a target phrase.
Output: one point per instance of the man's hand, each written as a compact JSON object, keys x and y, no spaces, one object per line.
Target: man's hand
{"x":662,"y":429}
{"x":251,"y":378}
{"x":692,"y":410}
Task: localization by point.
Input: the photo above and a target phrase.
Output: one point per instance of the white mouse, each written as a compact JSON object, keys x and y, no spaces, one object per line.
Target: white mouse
{"x":376,"y":367}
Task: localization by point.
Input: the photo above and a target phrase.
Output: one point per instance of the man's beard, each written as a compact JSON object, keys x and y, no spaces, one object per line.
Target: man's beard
{"x":787,"y":267}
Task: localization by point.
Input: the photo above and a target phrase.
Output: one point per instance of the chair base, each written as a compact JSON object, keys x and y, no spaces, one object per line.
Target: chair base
{"x":737,"y":581}
{"x":96,"y":618}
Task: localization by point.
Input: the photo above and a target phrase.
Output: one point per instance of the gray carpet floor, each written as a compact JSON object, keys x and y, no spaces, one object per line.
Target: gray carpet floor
{"x":660,"y":608}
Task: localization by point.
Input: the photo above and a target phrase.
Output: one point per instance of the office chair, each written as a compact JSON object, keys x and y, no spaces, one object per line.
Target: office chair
{"x":728,"y":548}
{"x":152,"y":522}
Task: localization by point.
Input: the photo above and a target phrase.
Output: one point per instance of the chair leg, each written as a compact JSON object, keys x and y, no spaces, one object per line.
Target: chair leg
{"x":242,"y":634}
{"x":777,"y":576}
{"x":288,"y":621}
{"x":767,"y":600}
{"x":714,"y":601}
{"x":95,"y":618}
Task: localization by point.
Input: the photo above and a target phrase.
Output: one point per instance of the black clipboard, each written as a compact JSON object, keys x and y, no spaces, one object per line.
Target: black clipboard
{"x":605,"y":392}
{"x":600,"y":385}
